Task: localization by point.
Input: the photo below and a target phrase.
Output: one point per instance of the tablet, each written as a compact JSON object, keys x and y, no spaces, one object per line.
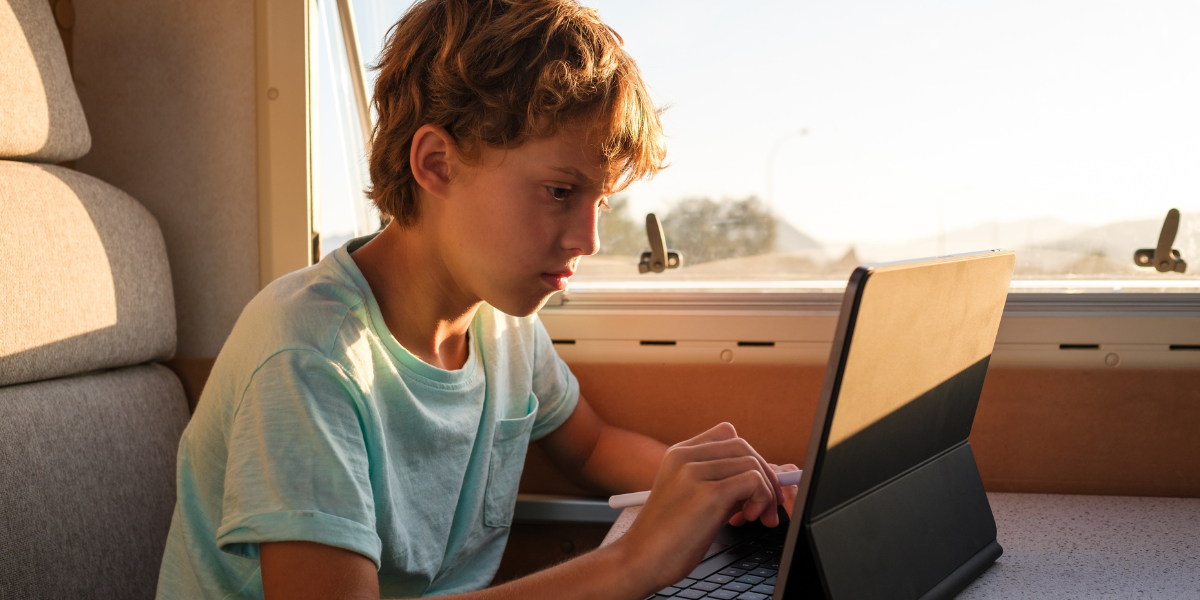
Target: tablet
{"x":891,"y":504}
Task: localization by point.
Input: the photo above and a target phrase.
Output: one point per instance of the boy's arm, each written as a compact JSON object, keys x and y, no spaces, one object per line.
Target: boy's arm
{"x":601,"y":457}
{"x":308,"y":571}
{"x":700,"y":484}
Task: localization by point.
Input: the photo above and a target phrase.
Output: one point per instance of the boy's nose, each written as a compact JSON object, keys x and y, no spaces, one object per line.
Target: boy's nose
{"x":583,"y":235}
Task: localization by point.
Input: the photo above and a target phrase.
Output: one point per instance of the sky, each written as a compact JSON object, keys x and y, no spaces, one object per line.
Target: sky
{"x":917,"y":117}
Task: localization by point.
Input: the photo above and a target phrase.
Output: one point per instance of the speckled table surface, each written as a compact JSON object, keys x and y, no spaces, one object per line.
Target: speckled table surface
{"x":1093,"y":547}
{"x":1083,"y":547}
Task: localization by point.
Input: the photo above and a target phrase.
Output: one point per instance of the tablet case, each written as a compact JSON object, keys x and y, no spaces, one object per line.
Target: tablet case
{"x":891,"y":504}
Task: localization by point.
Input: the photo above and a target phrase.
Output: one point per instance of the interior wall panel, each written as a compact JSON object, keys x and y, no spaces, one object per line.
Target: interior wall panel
{"x":771,"y":406}
{"x":1090,"y":431}
{"x":168,"y":90}
{"x":1062,"y":431}
{"x":1073,"y":431}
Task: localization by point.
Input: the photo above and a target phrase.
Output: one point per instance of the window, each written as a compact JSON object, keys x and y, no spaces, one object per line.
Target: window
{"x":811,"y":136}
{"x":340,"y":175}
{"x":806,"y":138}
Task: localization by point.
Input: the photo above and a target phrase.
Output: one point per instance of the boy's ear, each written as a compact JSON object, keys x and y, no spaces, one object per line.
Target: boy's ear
{"x":432,"y":153}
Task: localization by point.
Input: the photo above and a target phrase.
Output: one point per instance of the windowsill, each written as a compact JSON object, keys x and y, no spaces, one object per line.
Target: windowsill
{"x":826,"y":296}
{"x":1138,"y":330}
{"x":811,"y":286}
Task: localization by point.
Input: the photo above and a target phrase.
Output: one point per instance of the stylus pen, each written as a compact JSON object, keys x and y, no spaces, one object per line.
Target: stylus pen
{"x":639,"y":498}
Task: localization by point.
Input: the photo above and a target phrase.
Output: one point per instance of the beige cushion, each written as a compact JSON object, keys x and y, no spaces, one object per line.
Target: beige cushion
{"x":41,"y":119}
{"x":87,"y":483}
{"x":85,"y":281}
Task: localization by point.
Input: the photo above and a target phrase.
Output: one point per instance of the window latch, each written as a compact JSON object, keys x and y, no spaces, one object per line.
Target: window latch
{"x":1164,"y":258}
{"x":658,"y":259}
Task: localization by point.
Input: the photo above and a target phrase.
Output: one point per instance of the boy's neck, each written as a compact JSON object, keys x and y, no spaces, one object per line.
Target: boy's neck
{"x":423,"y":307}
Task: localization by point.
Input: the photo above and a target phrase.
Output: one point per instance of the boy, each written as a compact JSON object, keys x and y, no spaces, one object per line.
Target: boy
{"x":364,"y":427}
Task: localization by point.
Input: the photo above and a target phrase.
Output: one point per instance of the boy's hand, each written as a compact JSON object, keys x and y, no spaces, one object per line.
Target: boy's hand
{"x":789,"y":495}
{"x":702,"y":483}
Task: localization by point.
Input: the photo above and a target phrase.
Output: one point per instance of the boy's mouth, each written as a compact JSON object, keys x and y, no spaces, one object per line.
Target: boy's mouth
{"x":558,"y":280}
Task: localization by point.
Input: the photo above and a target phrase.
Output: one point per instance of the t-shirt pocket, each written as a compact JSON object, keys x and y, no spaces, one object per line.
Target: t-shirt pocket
{"x":504,"y":470}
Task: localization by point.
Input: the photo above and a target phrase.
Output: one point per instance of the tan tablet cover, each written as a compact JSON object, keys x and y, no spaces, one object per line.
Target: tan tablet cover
{"x":918,"y":325}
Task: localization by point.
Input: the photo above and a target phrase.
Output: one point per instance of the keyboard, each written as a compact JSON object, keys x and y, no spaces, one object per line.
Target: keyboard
{"x":746,"y":571}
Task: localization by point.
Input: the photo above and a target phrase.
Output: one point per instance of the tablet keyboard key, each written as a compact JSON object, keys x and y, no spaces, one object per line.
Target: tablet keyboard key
{"x":761,"y":572}
{"x":691,"y":594}
{"x":738,"y":587}
{"x":750,"y":579}
{"x":747,"y":565}
{"x":732,"y":572}
{"x":706,"y":586}
{"x":668,"y":591}
{"x":752,"y":596}
{"x":722,"y":595}
{"x":684,"y":583}
{"x":764,"y":589}
{"x":770,"y":581}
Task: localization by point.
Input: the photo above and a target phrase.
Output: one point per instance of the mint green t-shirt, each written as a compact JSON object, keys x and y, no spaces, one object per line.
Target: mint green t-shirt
{"x":316,"y":425}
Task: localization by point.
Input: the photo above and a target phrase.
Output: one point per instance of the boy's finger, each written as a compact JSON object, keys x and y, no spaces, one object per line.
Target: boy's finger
{"x":750,"y":489}
{"x":729,"y":448}
{"x":789,"y":498}
{"x":768,"y":473}
{"x":760,"y":505}
{"x":718,"y":449}
{"x":721,"y":468}
{"x":719,"y":432}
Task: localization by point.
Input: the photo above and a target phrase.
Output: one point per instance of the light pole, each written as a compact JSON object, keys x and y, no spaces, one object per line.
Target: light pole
{"x":771,"y":163}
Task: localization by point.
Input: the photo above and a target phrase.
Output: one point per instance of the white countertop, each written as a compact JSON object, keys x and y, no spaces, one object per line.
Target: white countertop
{"x":1093,"y":547}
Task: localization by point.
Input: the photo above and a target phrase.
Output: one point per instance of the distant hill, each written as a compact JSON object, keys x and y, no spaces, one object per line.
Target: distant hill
{"x":790,"y":239}
{"x":1051,"y":246}
{"x":1046,"y":247}
{"x":1105,"y":249}
{"x":1012,"y":235}
{"x":1115,"y":240}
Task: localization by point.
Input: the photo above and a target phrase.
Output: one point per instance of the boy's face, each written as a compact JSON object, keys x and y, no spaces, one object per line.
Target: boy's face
{"x":515,"y":222}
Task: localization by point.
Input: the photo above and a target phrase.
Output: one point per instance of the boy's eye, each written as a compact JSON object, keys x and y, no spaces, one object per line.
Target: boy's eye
{"x":559,"y":193}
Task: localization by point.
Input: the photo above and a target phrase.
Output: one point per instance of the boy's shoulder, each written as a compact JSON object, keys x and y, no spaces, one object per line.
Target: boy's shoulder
{"x":303,"y":310}
{"x":297,"y":318}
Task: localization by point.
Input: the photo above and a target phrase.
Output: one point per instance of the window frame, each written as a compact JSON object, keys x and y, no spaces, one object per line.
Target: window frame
{"x":284,"y":88}
{"x":1038,"y":329}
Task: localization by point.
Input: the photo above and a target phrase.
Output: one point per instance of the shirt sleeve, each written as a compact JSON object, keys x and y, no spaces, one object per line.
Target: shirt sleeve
{"x":298,"y":468}
{"x":554,"y":384}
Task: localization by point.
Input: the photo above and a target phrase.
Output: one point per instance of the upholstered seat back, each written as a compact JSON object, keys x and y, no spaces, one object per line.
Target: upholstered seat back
{"x":85,"y":276}
{"x":89,"y":424}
